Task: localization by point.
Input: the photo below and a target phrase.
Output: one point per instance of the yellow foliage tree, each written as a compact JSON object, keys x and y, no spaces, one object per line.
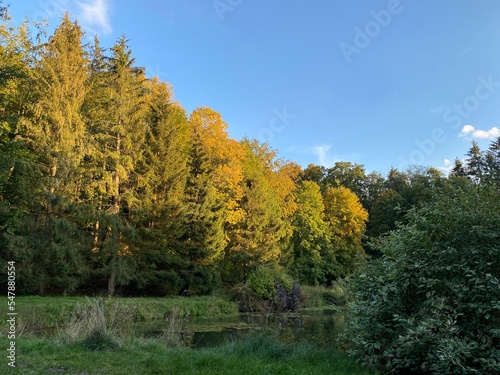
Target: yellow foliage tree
{"x":224,"y":155}
{"x":346,"y":219}
{"x":268,"y":203}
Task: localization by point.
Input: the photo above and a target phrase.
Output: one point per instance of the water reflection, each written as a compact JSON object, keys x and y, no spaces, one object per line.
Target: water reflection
{"x":318,"y":326}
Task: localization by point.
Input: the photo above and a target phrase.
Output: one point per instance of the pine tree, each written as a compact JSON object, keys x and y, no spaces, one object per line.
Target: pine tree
{"x":203,"y":240}
{"x":116,"y":118}
{"x":58,"y":129}
{"x":475,"y":164}
{"x":492,"y":162}
{"x":458,"y":169}
{"x":46,"y":236}
{"x":163,"y":172}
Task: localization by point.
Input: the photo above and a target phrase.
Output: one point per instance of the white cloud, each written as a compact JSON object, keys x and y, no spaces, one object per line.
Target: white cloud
{"x":467,"y":129}
{"x":492,"y":133}
{"x":94,"y":15}
{"x":447,"y":166}
{"x":322,"y":152}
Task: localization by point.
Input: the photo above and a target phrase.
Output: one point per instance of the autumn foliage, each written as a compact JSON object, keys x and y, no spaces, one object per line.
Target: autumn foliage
{"x":108,"y":184}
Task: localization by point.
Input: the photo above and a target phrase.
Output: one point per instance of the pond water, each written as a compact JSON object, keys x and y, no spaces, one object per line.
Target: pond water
{"x":320,"y":326}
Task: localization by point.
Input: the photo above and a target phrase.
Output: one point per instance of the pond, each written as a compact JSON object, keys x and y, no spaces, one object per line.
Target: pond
{"x":320,"y":326}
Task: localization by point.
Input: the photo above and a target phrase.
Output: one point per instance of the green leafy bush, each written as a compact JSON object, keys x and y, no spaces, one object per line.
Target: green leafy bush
{"x":431,"y":304}
{"x":322,"y":296}
{"x":267,"y":290}
{"x":264,"y":281}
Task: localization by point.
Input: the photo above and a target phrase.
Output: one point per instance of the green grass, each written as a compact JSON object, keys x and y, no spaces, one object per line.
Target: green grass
{"x":324,"y":297}
{"x":151,"y":308}
{"x":36,"y":314}
{"x":257,"y":355}
{"x":92,"y":339}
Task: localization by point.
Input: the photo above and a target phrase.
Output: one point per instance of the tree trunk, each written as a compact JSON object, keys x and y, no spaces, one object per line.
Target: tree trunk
{"x":95,"y":249}
{"x":111,"y":281}
{"x":53,"y":173}
{"x":41,"y":288}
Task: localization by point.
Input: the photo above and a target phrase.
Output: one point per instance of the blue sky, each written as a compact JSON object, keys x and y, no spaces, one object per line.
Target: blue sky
{"x":378,"y":83}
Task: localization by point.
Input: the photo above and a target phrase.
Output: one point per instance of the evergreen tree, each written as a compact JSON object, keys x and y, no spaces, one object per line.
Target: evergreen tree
{"x":492,"y":163}
{"x":203,"y":240}
{"x":458,"y":169}
{"x":475,"y":164}
{"x":161,"y":187}
{"x":57,"y":129}
{"x":47,"y":236}
{"x":117,"y":126}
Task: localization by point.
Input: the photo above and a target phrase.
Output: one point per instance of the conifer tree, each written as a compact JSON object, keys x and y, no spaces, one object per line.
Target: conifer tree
{"x":492,"y":162}
{"x":475,"y":163}
{"x":203,"y":239}
{"x":117,"y":127}
{"x":163,"y":172}
{"x":58,"y":129}
{"x":47,"y":235}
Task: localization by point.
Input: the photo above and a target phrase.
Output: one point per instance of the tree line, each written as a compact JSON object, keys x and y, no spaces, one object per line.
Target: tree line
{"x":107,"y":183}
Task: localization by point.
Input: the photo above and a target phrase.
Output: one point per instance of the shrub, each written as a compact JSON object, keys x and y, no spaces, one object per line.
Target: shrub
{"x":321,"y":296}
{"x":90,"y":326}
{"x":431,"y":304}
{"x":265,"y":280}
{"x":267,"y":290}
{"x":174,"y":334}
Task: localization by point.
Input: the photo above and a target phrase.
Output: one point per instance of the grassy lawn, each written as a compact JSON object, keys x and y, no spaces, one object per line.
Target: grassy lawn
{"x":65,"y":349}
{"x":258,"y":355}
{"x":151,"y":308}
{"x":39,"y":313}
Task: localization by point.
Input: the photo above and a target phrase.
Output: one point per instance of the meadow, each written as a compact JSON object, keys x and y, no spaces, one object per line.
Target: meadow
{"x":79,"y":335}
